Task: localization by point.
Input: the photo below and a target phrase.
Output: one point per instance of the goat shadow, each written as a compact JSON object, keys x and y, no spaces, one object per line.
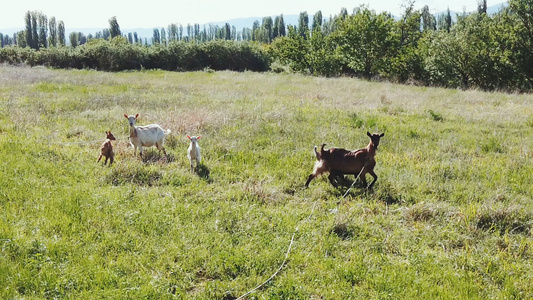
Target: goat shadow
{"x":381,"y":192}
{"x":153,"y":157}
{"x":203,"y":172}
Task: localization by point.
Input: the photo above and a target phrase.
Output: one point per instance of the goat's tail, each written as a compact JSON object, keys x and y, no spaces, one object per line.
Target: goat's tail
{"x":319,"y":154}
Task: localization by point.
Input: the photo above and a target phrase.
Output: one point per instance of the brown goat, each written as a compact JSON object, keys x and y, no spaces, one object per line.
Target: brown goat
{"x":338,"y":161}
{"x":106,"y":149}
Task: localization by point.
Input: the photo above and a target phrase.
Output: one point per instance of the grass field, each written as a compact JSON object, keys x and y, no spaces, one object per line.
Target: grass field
{"x":450,"y":216}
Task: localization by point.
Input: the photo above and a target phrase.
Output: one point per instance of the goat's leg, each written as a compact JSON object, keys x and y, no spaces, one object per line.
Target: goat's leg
{"x":105,"y":161}
{"x":159,"y":146}
{"x":374,"y":181}
{"x":111,"y":159}
{"x":309,"y":179}
{"x":331,"y":177}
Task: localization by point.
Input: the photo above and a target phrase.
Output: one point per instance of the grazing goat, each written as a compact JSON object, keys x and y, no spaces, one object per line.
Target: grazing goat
{"x":106,"y":149}
{"x":193,"y":152}
{"x":338,"y":161}
{"x":146,"y":136}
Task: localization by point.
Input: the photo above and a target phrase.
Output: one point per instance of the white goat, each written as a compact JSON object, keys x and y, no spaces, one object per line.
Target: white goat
{"x":146,"y":136}
{"x":193,"y":152}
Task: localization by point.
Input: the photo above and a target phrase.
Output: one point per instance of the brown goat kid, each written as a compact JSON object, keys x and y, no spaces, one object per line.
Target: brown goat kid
{"x":106,"y":149}
{"x":338,"y":161}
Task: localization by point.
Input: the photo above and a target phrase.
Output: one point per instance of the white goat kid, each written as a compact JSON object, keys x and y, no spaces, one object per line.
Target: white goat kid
{"x":146,"y":136}
{"x":193,"y":152}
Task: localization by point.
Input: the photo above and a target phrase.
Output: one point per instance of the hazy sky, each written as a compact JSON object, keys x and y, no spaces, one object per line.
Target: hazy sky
{"x":161,"y":13}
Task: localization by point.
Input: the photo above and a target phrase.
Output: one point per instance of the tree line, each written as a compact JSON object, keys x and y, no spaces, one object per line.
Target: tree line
{"x":474,"y":50}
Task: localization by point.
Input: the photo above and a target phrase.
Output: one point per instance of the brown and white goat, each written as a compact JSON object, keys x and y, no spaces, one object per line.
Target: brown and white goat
{"x":338,"y":161}
{"x":106,"y":149}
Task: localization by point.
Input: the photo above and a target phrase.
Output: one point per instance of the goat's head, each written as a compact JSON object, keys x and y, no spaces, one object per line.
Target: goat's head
{"x":193,"y":138}
{"x":110,"y":136}
{"x":374,"y":138}
{"x":131,"y":119}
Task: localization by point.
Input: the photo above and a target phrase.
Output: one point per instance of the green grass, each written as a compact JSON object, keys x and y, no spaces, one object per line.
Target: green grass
{"x":450,"y":217}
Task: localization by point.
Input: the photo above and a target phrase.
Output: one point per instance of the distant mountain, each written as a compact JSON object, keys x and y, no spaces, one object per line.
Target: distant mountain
{"x":491,"y":10}
{"x":249,"y":22}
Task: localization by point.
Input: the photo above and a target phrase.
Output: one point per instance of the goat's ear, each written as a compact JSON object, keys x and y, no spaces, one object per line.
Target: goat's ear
{"x":382,"y":135}
{"x":198,"y":137}
{"x":368,"y":133}
{"x":126,"y":116}
{"x":189,"y":137}
{"x":136,"y":116}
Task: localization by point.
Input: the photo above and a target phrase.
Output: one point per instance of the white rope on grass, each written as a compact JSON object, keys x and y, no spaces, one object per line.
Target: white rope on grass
{"x":292,"y":241}
{"x":346,"y":193}
{"x":284,"y":261}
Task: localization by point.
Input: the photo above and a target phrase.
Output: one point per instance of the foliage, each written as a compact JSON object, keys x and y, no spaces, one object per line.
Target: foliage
{"x":364,"y":41}
{"x":118,"y":54}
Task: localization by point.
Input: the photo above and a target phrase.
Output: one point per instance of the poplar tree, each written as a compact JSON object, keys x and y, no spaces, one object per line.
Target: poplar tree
{"x":114,"y":28}
{"x":34,"y":33}
{"x":29,"y":31}
{"x":428,"y":20}
{"x":227,"y":28}
{"x":43,"y":31}
{"x":163,"y":36}
{"x":275,"y":28}
{"x":267,"y":30}
{"x":303,"y":24}
{"x":281,"y":26}
{"x":317,"y":20}
{"x":156,"y":38}
{"x":448,"y":20}
{"x":255,"y":31}
{"x":52,"y":41}
{"x":73,"y":38}
{"x":61,"y":33}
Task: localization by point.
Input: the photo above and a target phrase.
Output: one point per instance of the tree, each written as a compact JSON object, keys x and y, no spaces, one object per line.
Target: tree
{"x":22,"y":42}
{"x":53,"y":32}
{"x":29,"y":31}
{"x":482,"y":6}
{"x":303,"y":24}
{"x":281,"y":26}
{"x":364,"y":41}
{"x":428,"y":20}
{"x":256,"y":31}
{"x":43,"y":31}
{"x":61,"y":33}
{"x":448,"y":20}
{"x":156,"y":38}
{"x":267,"y":30}
{"x":114,"y":28}
{"x":522,"y":41}
{"x":173,"y":32}
{"x":163,"y":36}
{"x":34,"y":32}
{"x":317,"y":20}
{"x":292,"y":50}
{"x":227,"y":29}
{"x":73,"y":38}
